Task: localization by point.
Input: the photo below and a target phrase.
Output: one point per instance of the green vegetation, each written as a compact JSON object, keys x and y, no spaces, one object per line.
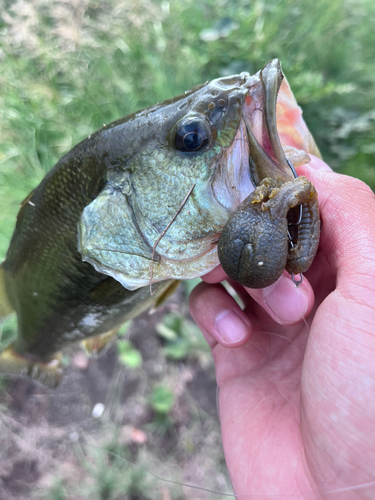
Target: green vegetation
{"x":67,"y":68}
{"x":183,"y":339}
{"x":57,"y":492}
{"x":128,"y":355}
{"x":161,"y":400}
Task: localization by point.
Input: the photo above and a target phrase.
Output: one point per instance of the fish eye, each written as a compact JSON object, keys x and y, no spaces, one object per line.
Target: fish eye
{"x":192,"y":136}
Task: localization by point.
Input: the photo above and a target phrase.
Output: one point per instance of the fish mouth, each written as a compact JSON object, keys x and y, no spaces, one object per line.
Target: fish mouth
{"x":256,"y":245}
{"x":266,"y":154}
{"x":256,"y":152}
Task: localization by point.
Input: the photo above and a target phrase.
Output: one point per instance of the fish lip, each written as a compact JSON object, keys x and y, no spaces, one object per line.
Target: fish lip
{"x":266,"y":154}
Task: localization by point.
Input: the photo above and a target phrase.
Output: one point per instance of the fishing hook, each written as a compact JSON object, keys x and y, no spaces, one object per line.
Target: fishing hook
{"x":295,"y":175}
{"x":297,"y":282}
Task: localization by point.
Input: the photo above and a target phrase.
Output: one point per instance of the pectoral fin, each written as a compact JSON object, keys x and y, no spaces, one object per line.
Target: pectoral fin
{"x":160,"y":299}
{"x":5,"y":306}
{"x":12,"y":363}
{"x":93,"y":345}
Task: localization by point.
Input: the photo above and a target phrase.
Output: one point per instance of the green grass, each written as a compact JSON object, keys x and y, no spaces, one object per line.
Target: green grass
{"x":67,"y":68}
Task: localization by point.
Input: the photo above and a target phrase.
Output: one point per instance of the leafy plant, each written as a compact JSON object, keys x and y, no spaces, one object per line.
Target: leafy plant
{"x":114,"y":473}
{"x":56,"y":492}
{"x":128,"y":354}
{"x":162,"y":400}
{"x":183,"y":339}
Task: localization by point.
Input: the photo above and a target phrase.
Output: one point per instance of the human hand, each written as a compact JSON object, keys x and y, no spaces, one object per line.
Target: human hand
{"x":297,"y":397}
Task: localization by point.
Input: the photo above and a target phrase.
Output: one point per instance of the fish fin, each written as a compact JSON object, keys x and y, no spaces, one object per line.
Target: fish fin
{"x":24,"y":203}
{"x":46,"y":373}
{"x":160,"y":299}
{"x":93,"y":345}
{"x":5,"y":306}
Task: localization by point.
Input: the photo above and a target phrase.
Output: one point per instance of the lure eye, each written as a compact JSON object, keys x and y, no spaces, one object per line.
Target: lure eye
{"x":192,"y":136}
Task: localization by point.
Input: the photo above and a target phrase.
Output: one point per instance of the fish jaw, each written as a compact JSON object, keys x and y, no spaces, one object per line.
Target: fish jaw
{"x":291,"y":126}
{"x":293,"y":133}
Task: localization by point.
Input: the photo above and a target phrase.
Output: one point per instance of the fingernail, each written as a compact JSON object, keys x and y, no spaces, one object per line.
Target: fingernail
{"x":230,"y":326}
{"x":287,"y":302}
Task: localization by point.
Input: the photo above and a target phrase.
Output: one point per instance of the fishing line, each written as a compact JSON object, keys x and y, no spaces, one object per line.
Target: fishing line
{"x":302,"y":313}
{"x":177,"y":483}
{"x":229,"y":495}
{"x":25,"y":444}
{"x":217,"y":402}
{"x":266,"y":332}
{"x":164,"y":480}
{"x":351,"y":488}
{"x":163,"y":233}
{"x":192,"y":486}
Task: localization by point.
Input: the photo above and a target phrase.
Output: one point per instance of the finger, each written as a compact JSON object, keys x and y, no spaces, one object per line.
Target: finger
{"x":215,"y":276}
{"x":219,"y":316}
{"x":317,"y":164}
{"x":286,"y":303}
{"x":347,"y":208}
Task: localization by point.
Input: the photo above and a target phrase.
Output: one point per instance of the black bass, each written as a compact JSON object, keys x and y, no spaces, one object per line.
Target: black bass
{"x":146,"y":198}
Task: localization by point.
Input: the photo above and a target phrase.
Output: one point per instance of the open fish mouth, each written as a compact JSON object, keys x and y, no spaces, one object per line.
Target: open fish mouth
{"x":266,"y":155}
{"x":267,"y":114}
{"x":277,"y":226}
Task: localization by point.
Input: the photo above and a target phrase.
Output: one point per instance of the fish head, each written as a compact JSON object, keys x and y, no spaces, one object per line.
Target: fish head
{"x":176,"y":172}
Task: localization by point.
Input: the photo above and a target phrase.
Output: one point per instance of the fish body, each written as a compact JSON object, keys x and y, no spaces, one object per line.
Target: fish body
{"x":146,"y":197}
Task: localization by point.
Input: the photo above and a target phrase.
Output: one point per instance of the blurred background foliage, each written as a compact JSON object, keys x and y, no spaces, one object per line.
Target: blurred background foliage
{"x":69,"y":66}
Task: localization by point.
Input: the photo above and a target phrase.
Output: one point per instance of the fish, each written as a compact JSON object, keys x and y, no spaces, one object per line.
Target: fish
{"x":147,"y":200}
